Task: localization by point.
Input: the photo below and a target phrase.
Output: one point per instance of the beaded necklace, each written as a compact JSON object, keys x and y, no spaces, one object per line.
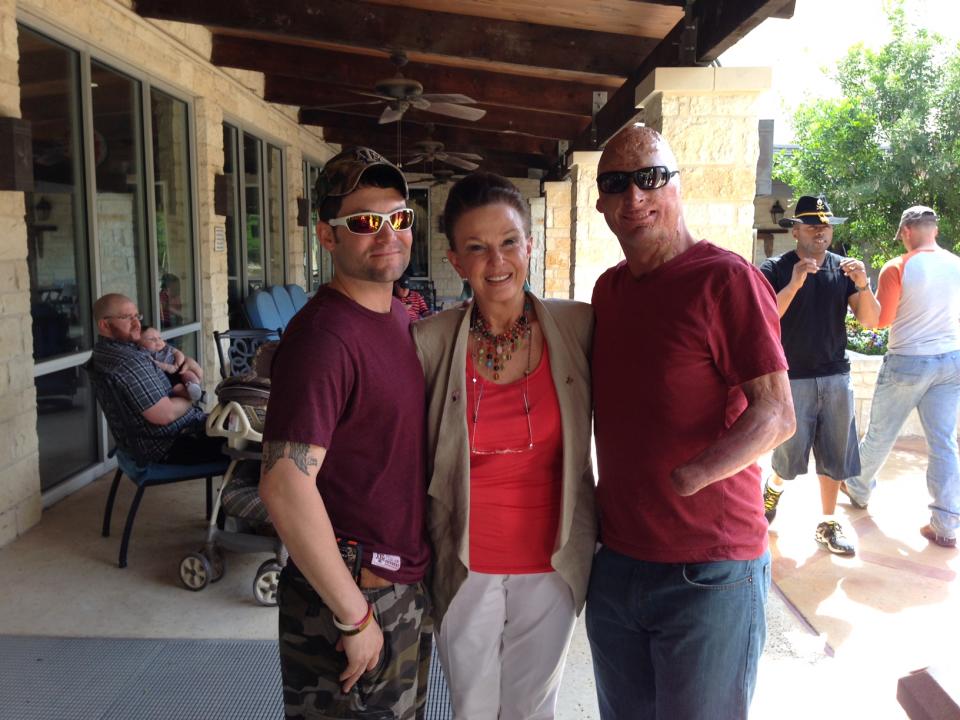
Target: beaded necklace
{"x":493,"y":351}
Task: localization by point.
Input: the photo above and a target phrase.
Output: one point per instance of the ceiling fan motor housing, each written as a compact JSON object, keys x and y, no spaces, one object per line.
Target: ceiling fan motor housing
{"x":399,"y":88}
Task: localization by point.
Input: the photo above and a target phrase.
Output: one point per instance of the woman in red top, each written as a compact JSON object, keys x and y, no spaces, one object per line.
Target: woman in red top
{"x":511,"y":484}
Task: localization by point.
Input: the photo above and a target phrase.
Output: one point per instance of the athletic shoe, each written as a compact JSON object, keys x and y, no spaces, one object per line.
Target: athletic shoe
{"x":853,"y":501}
{"x":770,"y":499}
{"x":942,"y":540}
{"x":830,"y":535}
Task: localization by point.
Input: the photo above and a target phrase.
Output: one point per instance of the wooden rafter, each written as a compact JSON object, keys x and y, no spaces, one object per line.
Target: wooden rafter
{"x":374,"y":26}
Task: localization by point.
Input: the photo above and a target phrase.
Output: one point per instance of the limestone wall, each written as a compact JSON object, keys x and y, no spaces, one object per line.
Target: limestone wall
{"x":19,"y":472}
{"x":594,"y":247}
{"x":558,"y":258}
{"x":710,"y":117}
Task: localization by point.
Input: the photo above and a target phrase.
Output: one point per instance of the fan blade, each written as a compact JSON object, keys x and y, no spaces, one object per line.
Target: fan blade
{"x":420,"y":104}
{"x":372,"y":94}
{"x":458,"y":111}
{"x":448,"y":98}
{"x":342,"y":105}
{"x":466,"y":156}
{"x":456,"y":162}
{"x":390,"y":115}
{"x":416,"y":159}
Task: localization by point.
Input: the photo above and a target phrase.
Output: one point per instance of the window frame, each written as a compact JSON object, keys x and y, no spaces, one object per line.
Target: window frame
{"x":88,"y":53}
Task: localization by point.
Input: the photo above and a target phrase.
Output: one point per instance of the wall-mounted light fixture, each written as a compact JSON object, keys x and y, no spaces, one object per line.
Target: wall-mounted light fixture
{"x":776,"y":212}
{"x":41,"y":211}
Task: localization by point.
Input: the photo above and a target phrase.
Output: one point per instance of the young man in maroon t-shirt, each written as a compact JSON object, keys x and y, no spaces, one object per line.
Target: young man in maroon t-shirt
{"x":343,"y":463}
{"x":689,"y":388}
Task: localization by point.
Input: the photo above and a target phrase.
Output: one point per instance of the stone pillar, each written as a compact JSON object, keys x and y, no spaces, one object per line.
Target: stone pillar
{"x":594,"y":248}
{"x":296,"y":234}
{"x":538,"y":210}
{"x":557,"y":255}
{"x":710,"y":117}
{"x":19,"y":470}
{"x":213,"y":258}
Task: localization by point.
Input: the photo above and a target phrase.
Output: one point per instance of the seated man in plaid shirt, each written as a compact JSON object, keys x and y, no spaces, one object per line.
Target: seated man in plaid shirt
{"x":146,"y":420}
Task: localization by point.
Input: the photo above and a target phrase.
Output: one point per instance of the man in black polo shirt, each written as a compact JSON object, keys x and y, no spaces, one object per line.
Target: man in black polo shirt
{"x":146,"y":420}
{"x":814,"y":288}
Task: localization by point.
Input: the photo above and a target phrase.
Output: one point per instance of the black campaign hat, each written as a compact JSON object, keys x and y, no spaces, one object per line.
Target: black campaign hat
{"x":812,"y":211}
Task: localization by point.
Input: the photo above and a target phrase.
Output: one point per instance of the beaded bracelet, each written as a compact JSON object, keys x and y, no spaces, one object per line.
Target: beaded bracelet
{"x":356,"y":629}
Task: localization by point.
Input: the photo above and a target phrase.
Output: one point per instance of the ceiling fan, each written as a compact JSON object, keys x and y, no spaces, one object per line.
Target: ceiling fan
{"x":441,"y":176}
{"x":430,"y":151}
{"x":400,"y":93}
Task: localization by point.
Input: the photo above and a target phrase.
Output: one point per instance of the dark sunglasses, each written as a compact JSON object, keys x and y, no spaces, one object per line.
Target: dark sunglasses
{"x":369,"y":223}
{"x":645,"y":178}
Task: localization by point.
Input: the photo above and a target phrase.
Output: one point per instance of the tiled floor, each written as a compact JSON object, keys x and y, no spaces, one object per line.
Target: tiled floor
{"x":892,"y":609}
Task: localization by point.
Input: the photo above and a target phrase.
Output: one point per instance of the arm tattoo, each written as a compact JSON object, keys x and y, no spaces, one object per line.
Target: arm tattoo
{"x":272,"y":451}
{"x":298,"y":452}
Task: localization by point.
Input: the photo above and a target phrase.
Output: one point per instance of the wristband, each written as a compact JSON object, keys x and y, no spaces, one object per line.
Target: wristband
{"x":866,"y":286}
{"x":359,"y":627}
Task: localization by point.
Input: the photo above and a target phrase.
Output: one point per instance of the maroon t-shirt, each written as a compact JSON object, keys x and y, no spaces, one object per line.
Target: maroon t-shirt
{"x":348,"y":379}
{"x":670,"y":350}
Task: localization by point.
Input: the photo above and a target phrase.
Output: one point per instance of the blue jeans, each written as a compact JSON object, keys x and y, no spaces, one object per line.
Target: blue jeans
{"x":824,"y":410}
{"x":676,"y":641}
{"x":930,"y":383}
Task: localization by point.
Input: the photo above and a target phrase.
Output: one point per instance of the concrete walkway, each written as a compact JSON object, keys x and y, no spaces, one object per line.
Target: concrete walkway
{"x":890,"y":610}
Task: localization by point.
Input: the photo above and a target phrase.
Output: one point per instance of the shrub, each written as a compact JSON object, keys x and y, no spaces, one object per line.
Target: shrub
{"x":864,"y":340}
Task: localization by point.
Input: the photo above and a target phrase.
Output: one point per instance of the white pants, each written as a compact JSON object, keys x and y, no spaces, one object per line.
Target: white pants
{"x":503,"y":643}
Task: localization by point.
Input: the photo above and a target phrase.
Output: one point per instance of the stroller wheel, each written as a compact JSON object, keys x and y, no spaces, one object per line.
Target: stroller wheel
{"x":218,"y":563}
{"x":265,"y":583}
{"x":195,"y":571}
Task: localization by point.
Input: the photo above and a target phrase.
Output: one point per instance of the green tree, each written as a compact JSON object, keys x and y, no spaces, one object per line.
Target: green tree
{"x":892,"y":140}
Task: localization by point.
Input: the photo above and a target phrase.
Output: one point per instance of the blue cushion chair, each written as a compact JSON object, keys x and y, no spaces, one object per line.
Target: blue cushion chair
{"x":262,"y":311}
{"x":298,"y":295}
{"x":284,"y":304}
{"x":147,"y":475}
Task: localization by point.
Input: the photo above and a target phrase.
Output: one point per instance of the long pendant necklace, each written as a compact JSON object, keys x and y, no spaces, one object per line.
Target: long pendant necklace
{"x":493,"y":351}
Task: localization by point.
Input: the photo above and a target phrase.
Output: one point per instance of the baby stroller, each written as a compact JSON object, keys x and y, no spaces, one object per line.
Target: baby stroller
{"x":239,"y":520}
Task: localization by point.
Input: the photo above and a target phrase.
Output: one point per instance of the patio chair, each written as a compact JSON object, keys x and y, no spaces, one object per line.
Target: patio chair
{"x":261,"y":311}
{"x":147,"y":475}
{"x":144,"y":475}
{"x":284,"y":304}
{"x":237,"y":348}
{"x":298,"y":295}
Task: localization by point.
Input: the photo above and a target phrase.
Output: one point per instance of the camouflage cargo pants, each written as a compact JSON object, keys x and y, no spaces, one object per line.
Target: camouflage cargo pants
{"x":311,"y":664}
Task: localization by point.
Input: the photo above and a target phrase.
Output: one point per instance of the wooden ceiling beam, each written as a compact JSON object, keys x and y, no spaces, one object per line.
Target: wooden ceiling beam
{"x":385,"y":142}
{"x":291,"y":91}
{"x":720,"y":24}
{"x":308,"y":63}
{"x":385,"y":27}
{"x":455,"y":138}
{"x":524,"y":122}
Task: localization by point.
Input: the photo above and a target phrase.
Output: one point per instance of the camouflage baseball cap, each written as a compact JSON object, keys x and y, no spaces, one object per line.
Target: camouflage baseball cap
{"x":342,"y":173}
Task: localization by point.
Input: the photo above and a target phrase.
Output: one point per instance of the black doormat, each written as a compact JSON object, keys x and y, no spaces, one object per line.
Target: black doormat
{"x":53,"y":678}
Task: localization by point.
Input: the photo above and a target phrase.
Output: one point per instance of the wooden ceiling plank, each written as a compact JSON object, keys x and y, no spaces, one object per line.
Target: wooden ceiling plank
{"x":309,"y":93}
{"x":624,"y":17}
{"x":325,"y":66}
{"x":386,"y":143}
{"x":542,"y":125}
{"x":722,"y":23}
{"x":384,"y":27}
{"x":456,"y":138}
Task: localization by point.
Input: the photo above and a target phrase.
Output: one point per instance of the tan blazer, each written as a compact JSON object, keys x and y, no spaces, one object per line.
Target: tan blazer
{"x":441,"y":343}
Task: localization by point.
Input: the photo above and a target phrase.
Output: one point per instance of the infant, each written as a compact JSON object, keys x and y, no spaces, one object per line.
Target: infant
{"x":185,"y":373}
